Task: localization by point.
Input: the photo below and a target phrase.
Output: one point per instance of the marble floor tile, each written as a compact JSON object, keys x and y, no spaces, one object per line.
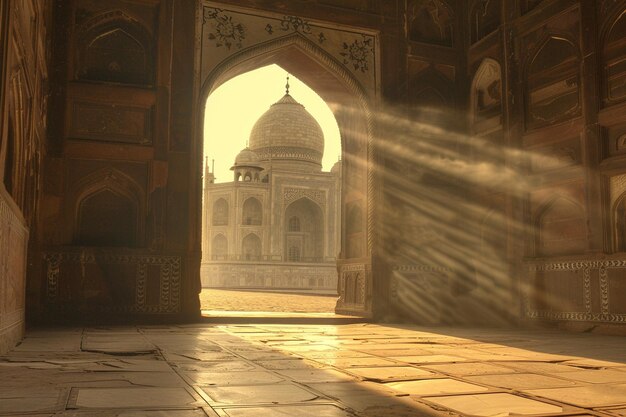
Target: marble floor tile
{"x":425,"y":359}
{"x":307,"y":376}
{"x":596,"y":376}
{"x":468,"y":368}
{"x":590,"y":396}
{"x":32,"y":400}
{"x":287,"y":411}
{"x":131,"y":398}
{"x":390,"y":373}
{"x":426,"y":387}
{"x":232,"y":378}
{"x":281,"y":393}
{"x":521,"y":381}
{"x":216,"y":366}
{"x":492,"y":405}
{"x":357,"y":362}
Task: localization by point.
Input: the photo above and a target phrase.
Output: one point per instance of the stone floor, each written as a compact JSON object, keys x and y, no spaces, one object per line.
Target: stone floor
{"x":312,"y":371}
{"x":214,"y":299}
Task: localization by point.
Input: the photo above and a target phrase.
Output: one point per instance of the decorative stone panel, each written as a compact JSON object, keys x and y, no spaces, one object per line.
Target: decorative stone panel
{"x":576,"y":290}
{"x":101,"y":281}
{"x":13,"y":245}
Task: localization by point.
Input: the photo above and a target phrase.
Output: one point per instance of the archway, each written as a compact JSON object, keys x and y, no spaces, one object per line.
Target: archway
{"x":303,"y":239}
{"x":352,"y":107}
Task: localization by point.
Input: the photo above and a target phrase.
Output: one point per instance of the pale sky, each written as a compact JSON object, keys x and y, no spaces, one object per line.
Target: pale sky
{"x":236,"y":105}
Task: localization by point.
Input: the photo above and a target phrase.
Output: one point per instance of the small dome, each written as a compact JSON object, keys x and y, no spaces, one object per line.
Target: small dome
{"x":336,"y":169}
{"x":287,"y":133}
{"x":247,"y":157}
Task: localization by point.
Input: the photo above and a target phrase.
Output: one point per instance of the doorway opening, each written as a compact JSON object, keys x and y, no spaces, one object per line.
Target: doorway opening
{"x":271,"y":198}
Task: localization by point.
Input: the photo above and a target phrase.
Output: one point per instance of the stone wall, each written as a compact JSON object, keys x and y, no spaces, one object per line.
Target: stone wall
{"x":274,"y":276}
{"x":13,"y":246}
{"x":24,"y":59}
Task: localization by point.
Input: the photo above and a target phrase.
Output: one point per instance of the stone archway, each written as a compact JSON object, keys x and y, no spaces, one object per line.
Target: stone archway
{"x":347,"y":80}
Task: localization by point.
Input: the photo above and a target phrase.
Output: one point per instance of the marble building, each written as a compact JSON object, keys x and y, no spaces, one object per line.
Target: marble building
{"x":277,"y":224}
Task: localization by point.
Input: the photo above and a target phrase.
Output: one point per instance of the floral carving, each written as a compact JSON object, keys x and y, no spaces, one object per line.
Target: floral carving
{"x":227,"y":32}
{"x":357,"y":54}
{"x":295,"y":23}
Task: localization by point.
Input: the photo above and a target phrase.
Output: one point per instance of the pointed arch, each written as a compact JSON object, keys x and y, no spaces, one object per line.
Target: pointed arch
{"x":221,"y":212}
{"x":308,"y":240}
{"x":107,"y":206}
{"x":251,"y":248}
{"x":614,"y":60}
{"x":432,"y":21}
{"x":560,"y":227}
{"x":486,"y":93}
{"x":552,"y":82}
{"x":219,"y":247}
{"x":252,"y":214}
{"x":114,"y":47}
{"x":334,"y":83}
{"x":485,"y":18}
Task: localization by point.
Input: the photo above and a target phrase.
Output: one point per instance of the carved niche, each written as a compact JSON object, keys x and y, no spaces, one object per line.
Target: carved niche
{"x":615,"y":60}
{"x":485,"y":17}
{"x":431,"y":21}
{"x":220,"y":212}
{"x":561,"y":228}
{"x":252,"y":212}
{"x":107,"y":209}
{"x":219,"y":248}
{"x":553,"y":80}
{"x":114,"y":47}
{"x":487,"y":91}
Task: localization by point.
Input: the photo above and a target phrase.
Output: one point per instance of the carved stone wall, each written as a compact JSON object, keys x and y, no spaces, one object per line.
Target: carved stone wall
{"x":24,"y":59}
{"x":13,"y":250}
{"x":116,"y":231}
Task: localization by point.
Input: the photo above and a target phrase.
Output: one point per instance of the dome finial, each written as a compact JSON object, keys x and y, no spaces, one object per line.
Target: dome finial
{"x":287,"y":86}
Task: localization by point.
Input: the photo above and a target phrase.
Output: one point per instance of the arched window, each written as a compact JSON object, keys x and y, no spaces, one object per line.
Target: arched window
{"x":219,"y":247}
{"x":615,"y":60}
{"x":220,"y":213}
{"x":487,"y":91}
{"x":294,"y":254}
{"x":485,"y":18}
{"x":294,"y":224}
{"x":552,"y":83}
{"x":252,"y":212}
{"x":431,"y":21}
{"x":251,"y":248}
{"x":115,"y":49}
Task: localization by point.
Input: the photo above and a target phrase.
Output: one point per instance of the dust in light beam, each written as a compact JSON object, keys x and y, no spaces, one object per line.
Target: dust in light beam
{"x":236,"y":105}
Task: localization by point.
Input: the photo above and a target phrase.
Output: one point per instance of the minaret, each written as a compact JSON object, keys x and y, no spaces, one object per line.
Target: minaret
{"x":209,"y":176}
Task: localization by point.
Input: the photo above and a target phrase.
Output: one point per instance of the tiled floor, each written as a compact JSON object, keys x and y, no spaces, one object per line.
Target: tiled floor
{"x":312,"y":371}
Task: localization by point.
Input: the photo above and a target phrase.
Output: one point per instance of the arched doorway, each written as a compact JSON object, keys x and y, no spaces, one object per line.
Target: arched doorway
{"x":338,"y":83}
{"x":303,"y":240}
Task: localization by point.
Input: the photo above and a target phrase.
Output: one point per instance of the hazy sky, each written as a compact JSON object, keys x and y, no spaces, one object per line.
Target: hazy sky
{"x":236,"y":105}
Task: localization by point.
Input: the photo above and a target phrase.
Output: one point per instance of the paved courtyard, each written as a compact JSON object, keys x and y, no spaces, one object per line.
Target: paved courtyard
{"x":312,"y":371}
{"x":238,"y":300}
